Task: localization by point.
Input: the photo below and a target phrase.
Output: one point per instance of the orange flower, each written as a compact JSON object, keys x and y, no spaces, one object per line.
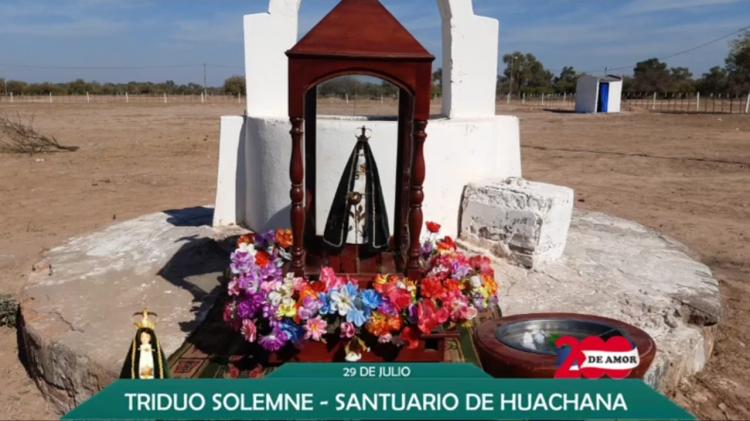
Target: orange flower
{"x":446,"y":245}
{"x":284,"y":238}
{"x":490,"y":284}
{"x":378,"y":324}
{"x":452,"y":285}
{"x":246,"y":239}
{"x":395,"y":323}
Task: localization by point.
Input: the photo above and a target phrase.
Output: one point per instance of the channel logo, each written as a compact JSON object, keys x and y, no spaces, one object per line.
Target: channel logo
{"x":594,"y":358}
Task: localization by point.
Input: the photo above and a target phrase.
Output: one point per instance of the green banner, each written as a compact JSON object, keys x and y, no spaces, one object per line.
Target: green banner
{"x":379,"y":392}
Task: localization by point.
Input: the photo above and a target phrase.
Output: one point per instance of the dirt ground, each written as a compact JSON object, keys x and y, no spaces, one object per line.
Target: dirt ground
{"x":685,"y":175}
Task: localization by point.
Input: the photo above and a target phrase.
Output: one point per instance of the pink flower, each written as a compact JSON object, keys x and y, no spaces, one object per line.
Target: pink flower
{"x":385,"y":338}
{"x":248,"y":330}
{"x":234,"y":372}
{"x":315,"y":328}
{"x":348,"y":330}
{"x":429,"y":316}
{"x":234,"y":288}
{"x":330,"y":280}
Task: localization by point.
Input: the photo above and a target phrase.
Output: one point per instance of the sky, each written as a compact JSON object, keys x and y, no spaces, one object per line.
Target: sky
{"x":158,"y":40}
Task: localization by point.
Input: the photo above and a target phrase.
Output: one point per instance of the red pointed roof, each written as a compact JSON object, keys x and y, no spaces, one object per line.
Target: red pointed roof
{"x":360,"y":29}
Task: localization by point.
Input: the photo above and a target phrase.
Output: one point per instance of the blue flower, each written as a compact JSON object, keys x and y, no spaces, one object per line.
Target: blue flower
{"x":371,"y":299}
{"x":343,"y":298}
{"x":292,"y":331}
{"x":325,"y":304}
{"x":356,"y":316}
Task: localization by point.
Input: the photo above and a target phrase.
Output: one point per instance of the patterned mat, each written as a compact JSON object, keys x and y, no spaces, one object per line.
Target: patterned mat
{"x":215,"y":351}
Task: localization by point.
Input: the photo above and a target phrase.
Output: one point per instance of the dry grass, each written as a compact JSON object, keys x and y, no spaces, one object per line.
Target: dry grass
{"x":17,"y":136}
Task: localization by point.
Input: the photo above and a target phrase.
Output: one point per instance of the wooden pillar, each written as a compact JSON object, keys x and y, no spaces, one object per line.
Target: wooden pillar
{"x":413,"y":269}
{"x":297,"y":194}
{"x":403,"y":172}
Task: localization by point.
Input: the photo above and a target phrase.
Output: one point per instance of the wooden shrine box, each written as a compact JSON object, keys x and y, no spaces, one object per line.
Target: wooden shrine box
{"x":359,"y":37}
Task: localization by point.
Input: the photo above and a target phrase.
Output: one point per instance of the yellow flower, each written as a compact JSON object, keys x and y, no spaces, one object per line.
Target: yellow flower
{"x":287,"y":308}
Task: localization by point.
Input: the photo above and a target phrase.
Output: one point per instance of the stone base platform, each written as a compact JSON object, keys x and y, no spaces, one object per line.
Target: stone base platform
{"x":76,"y":311}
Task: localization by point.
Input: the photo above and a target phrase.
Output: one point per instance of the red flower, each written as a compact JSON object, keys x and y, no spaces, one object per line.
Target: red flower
{"x":318,"y":286}
{"x":400,"y":298}
{"x":483,"y":264}
{"x":432,"y":288}
{"x":429,"y":316}
{"x":411,"y":337}
{"x":262,"y":259}
{"x":446,"y":244}
{"x":234,"y":372}
{"x":433,"y":227}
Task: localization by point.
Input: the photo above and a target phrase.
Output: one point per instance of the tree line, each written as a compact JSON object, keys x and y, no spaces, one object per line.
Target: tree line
{"x":82,"y":87}
{"x":523,"y":74}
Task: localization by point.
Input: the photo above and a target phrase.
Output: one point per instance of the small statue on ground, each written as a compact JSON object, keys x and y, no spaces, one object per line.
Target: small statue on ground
{"x":145,"y":358}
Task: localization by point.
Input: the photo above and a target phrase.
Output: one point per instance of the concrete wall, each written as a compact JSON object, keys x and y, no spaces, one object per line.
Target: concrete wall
{"x":456,"y":153}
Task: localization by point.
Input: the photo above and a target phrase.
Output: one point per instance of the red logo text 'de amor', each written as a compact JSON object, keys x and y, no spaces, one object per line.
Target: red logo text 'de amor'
{"x":593,"y":358}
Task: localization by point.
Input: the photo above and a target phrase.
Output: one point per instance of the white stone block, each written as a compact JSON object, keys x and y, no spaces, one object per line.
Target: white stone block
{"x":525,"y":221}
{"x":470,"y":55}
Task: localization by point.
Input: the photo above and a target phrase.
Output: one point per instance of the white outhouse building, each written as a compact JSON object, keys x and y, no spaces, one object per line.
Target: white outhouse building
{"x":598,"y":94}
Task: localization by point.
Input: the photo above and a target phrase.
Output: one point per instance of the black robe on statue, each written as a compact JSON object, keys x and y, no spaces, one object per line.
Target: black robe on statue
{"x":376,"y":231}
{"x":130,"y":367}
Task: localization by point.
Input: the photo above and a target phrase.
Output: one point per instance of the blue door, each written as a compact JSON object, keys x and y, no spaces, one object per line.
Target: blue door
{"x":603,"y":97}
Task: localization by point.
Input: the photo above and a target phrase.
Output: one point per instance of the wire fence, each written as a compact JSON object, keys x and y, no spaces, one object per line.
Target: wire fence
{"x":121,"y":99}
{"x":687,"y":103}
{"x":645,"y":102}
{"x":559,"y":102}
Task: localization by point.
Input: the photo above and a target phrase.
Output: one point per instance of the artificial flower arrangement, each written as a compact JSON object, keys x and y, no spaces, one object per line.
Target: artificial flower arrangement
{"x":277,"y":310}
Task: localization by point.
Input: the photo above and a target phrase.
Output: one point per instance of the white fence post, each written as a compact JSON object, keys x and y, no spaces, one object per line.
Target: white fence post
{"x":88,"y":98}
{"x":542,"y":98}
{"x":653,"y":102}
{"x":565,"y":96}
{"x":697,"y":101}
{"x":165,"y":97}
{"x":747,"y":104}
{"x":50,"y":97}
{"x":11,"y":97}
{"x":523,"y":98}
{"x":203,"y":97}
{"x":507,"y":98}
{"x":127,"y":99}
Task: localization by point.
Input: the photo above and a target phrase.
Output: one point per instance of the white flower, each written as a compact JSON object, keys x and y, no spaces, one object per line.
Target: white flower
{"x":274,"y":298}
{"x":476,"y":281}
{"x":353,"y":357}
{"x":343,"y":300}
{"x":247,"y":248}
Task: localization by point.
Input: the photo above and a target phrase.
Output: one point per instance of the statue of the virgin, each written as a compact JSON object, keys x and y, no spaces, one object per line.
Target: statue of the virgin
{"x":358,"y":214}
{"x":145,"y":359}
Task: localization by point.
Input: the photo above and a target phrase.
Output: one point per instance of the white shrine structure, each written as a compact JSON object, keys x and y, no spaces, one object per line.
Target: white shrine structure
{"x":467,"y":143}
